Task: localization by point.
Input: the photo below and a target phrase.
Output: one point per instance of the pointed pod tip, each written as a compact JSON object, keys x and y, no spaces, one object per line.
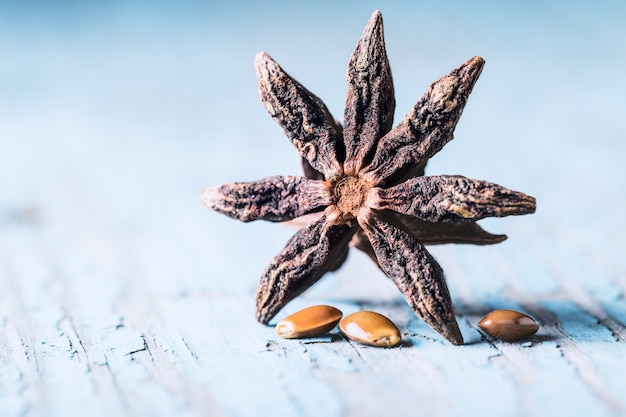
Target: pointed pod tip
{"x":375,"y":21}
{"x":209,"y":196}
{"x":465,"y":75}
{"x":457,"y":342}
{"x":370,"y":52}
{"x":447,"y":327}
{"x":261,"y":306}
{"x":263,"y":318}
{"x":499,"y":238}
{"x":264,"y":309}
{"x":525,"y":204}
{"x":452,"y":333}
{"x":475,"y":64}
{"x":532,"y":204}
{"x":265,"y":67}
{"x":477,"y":60}
{"x":373,"y":29}
{"x":261,"y":58}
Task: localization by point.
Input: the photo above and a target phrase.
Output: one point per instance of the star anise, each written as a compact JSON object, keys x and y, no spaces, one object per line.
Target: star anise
{"x":365,"y":183}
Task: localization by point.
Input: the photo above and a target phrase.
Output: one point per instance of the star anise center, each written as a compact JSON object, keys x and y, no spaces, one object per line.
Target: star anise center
{"x":350,"y":194}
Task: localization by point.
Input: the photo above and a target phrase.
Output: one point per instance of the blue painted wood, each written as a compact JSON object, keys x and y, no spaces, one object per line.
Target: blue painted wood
{"x":120,"y":295}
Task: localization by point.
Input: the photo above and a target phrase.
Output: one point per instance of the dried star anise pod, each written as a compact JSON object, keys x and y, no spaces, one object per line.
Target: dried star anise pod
{"x":365,"y":182}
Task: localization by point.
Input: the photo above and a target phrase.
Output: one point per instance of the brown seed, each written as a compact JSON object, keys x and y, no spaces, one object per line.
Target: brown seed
{"x":370,"y":328}
{"x":508,"y":325}
{"x":311,"y":322}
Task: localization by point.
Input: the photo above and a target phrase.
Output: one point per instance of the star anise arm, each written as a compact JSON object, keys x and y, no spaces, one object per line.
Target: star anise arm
{"x":308,"y":255}
{"x":302,"y":115}
{"x":427,"y":127}
{"x":430,"y":233}
{"x":451,"y":198}
{"x":415,"y":272}
{"x":370,"y":101}
{"x":275,"y":198}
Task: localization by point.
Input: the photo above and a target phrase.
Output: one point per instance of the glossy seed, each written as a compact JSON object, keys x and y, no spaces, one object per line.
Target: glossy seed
{"x":370,"y":328}
{"x":311,"y":322}
{"x":508,"y":325}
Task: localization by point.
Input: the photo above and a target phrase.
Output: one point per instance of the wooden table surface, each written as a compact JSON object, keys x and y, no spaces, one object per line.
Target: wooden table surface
{"x":120,"y":295}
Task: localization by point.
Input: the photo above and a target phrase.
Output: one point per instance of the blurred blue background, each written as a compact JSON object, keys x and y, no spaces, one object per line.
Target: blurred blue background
{"x":125,"y":110}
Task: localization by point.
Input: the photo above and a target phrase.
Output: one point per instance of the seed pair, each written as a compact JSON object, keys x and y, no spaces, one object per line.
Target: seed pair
{"x":366,"y":327}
